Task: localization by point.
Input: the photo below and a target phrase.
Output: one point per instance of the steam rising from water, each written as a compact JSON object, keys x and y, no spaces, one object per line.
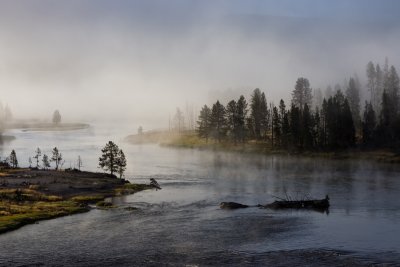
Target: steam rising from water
{"x":137,"y":61}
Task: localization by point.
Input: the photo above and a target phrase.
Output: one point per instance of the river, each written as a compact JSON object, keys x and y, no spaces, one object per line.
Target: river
{"x":182,"y":225}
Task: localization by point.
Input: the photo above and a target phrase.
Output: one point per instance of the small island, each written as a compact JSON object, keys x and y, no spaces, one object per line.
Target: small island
{"x":28,"y":195}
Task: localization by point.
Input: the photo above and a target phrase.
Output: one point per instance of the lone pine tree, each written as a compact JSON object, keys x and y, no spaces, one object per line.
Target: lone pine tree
{"x":112,"y":159}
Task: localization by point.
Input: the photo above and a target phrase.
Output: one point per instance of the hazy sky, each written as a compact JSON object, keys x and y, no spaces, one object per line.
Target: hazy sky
{"x":138,"y":60}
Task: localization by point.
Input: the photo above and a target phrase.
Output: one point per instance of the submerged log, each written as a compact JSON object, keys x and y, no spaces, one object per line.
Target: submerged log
{"x":232,"y":205}
{"x":318,"y":204}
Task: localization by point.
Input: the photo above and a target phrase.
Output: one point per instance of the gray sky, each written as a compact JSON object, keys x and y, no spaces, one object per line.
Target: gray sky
{"x":138,"y":60}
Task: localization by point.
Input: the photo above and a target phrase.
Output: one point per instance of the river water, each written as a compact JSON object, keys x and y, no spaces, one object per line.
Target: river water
{"x":182,"y":225}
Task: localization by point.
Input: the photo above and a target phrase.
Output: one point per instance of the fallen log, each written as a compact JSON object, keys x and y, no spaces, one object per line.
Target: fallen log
{"x":314,"y":204}
{"x":317,"y":204}
{"x":232,"y":205}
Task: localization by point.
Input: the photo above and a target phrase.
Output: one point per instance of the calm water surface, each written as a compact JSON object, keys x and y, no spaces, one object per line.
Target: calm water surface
{"x":183,"y":225}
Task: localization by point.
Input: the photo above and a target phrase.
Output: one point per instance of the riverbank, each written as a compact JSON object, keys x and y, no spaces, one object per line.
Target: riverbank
{"x":28,"y":195}
{"x":192,"y":141}
{"x":46,"y":126}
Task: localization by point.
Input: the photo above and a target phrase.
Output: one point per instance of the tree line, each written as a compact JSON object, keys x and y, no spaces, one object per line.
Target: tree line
{"x":311,"y":122}
{"x":112,"y":159}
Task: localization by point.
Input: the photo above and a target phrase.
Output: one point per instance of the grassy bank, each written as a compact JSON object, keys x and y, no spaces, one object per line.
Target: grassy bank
{"x":28,"y":196}
{"x":192,"y":141}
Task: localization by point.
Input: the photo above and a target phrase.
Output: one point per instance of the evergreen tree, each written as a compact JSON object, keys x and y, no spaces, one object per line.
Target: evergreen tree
{"x":204,"y":123}
{"x":46,"y":163}
{"x":121,"y":163}
{"x":56,"y":117}
{"x":285,"y":139}
{"x":324,"y":114}
{"x":231,"y":120}
{"x":13,"y":159}
{"x":218,"y":121}
{"x":265,"y":116}
{"x":371,"y":84}
{"x":317,"y":98}
{"x":282,"y":109}
{"x":257,"y":111}
{"x":393,"y":89}
{"x":301,"y":94}
{"x":349,"y":132}
{"x":56,"y":157}
{"x":368,"y":125}
{"x":276,"y":127}
{"x":379,"y":86}
{"x":353,"y":96}
{"x":307,"y":129}
{"x":317,"y":129}
{"x":109,"y":158}
{"x":241,"y":118}
{"x":295,"y":126}
{"x":340,"y":129}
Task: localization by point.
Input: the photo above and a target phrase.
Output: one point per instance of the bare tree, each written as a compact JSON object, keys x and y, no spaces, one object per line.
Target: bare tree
{"x":37,"y":157}
{"x":57,"y":157}
{"x":79,"y":163}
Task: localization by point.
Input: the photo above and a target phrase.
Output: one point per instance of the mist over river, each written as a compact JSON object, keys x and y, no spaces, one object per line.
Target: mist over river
{"x":183,"y":225}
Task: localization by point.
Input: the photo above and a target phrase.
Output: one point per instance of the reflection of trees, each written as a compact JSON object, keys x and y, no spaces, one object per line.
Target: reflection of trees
{"x":353,"y":186}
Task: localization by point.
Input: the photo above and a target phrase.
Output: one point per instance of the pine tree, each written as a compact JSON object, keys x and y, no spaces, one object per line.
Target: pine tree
{"x":285,"y":131}
{"x":56,"y":157}
{"x":368,"y":125}
{"x":13,"y":159}
{"x":295,"y":126}
{"x":256,"y":112}
{"x":109,"y":158}
{"x":307,"y":128}
{"x":276,"y":126}
{"x":353,"y":96}
{"x":204,"y":123}
{"x":56,"y":117}
{"x":371,"y":84}
{"x":301,"y":94}
{"x":218,"y":122}
{"x":46,"y":163}
{"x":349,"y":132}
{"x":265,"y":116}
{"x":241,"y":118}
{"x":231,"y":120}
{"x":121,"y":163}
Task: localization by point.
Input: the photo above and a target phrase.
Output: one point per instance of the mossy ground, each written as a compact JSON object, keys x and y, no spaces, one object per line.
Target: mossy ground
{"x":23,"y":202}
{"x":19,"y":207}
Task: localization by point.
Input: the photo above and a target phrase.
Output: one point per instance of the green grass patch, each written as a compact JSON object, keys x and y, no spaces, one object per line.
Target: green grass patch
{"x":88,"y":199}
{"x":18,"y":215}
{"x":131,"y":189}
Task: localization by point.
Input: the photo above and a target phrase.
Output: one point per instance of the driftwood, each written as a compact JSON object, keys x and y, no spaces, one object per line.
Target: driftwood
{"x":313,"y":204}
{"x":232,"y":205}
{"x":316,"y":204}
